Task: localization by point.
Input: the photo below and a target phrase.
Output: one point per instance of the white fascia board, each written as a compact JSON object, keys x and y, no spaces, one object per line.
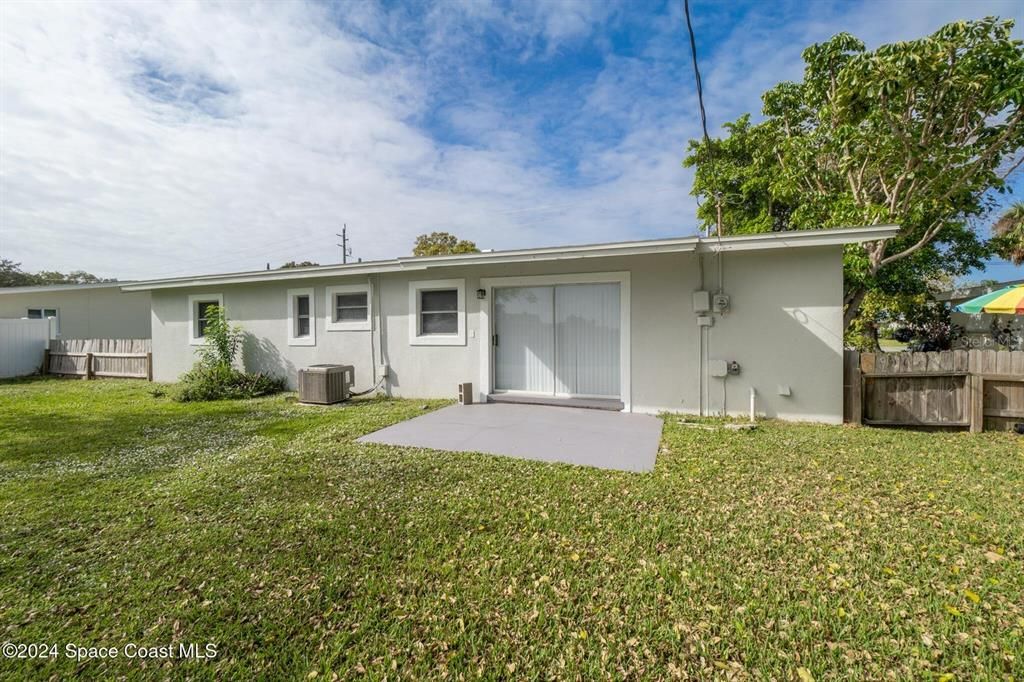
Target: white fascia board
{"x":267,"y":276}
{"x":798,"y":238}
{"x":552,"y":254}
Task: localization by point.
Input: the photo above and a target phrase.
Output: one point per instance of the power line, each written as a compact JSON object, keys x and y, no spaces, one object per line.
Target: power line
{"x":700,"y":102}
{"x":696,"y":75}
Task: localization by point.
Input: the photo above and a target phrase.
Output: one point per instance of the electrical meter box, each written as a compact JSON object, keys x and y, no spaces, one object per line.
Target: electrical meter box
{"x":720,"y":303}
{"x":701,"y":302}
{"x":718,"y":368}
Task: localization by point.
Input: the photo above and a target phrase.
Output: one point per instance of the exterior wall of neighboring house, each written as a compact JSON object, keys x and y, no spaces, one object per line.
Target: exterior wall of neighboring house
{"x":85,"y":312}
{"x":784,"y":328}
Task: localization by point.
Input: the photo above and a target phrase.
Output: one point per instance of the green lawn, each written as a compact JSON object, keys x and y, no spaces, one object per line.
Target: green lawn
{"x":892,"y":345}
{"x":262,"y":528}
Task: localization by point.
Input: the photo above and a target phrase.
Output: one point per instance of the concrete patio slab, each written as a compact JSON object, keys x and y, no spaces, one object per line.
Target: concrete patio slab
{"x":608,"y":440}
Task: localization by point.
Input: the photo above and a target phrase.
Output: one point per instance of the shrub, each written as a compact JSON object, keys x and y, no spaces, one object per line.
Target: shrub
{"x":214,"y":376}
{"x":223,"y":382}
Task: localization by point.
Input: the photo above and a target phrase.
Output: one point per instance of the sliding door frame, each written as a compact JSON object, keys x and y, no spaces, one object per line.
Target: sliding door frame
{"x":487,"y":350}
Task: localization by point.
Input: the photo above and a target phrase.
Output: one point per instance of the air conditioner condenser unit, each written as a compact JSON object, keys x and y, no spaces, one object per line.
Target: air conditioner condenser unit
{"x":326,"y":384}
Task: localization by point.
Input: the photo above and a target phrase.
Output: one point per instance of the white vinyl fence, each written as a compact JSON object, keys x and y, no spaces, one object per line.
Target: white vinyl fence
{"x":22,"y":343}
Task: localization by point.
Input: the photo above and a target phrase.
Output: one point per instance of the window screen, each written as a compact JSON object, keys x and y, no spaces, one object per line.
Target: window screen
{"x":203,"y":316}
{"x":302,"y":317}
{"x":351,"y":307}
{"x":439,"y":312}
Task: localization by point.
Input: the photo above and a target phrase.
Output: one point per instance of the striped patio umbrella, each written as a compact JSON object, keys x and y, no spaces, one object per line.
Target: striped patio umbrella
{"x":1006,"y":301}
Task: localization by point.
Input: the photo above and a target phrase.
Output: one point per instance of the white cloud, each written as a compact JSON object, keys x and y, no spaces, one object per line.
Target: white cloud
{"x":149,"y":139}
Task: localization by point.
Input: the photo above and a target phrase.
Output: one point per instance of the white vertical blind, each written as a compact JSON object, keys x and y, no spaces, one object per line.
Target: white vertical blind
{"x":562,"y":339}
{"x":524,"y":323}
{"x":587,"y":339}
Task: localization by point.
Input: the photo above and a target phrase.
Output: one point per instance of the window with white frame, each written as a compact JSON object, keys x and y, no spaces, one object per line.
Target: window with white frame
{"x":301,"y":320}
{"x":349,"y":308}
{"x":46,"y":314}
{"x":200,"y":311}
{"x":438,"y":310}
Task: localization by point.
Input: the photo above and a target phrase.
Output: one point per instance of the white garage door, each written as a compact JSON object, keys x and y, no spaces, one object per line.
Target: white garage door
{"x":558,"y":340}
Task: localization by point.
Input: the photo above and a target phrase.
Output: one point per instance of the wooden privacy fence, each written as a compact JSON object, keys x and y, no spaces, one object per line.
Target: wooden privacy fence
{"x":974,"y":389}
{"x":91,"y":358}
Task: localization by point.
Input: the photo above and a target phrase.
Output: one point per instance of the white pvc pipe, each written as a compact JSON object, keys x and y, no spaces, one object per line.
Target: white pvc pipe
{"x":753,"y":398}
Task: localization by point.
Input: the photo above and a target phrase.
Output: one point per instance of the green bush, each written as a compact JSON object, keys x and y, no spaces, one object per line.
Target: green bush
{"x":214,"y":376}
{"x":223,"y":382}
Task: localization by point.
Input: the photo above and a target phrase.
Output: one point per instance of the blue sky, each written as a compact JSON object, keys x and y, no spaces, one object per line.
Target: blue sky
{"x":150,"y":139}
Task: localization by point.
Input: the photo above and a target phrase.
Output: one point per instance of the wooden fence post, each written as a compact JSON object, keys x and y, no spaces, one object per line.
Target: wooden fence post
{"x":977,"y":398}
{"x":856,"y":394}
{"x":88,"y":366}
{"x":149,"y":366}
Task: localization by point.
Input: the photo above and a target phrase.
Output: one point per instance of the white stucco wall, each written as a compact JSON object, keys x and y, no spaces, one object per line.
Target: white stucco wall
{"x":87,"y":313}
{"x":785,"y":327}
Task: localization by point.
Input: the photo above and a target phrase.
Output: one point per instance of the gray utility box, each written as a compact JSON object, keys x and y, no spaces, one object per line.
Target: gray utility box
{"x":326,"y":384}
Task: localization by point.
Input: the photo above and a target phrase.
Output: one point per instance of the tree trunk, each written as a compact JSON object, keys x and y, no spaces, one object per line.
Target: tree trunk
{"x":854,"y":299}
{"x":872,"y":328}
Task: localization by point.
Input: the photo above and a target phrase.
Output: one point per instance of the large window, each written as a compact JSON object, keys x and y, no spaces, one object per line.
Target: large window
{"x":438,"y":313}
{"x":200,"y":313}
{"x":301,"y":319}
{"x":45,"y":314}
{"x":350,"y":308}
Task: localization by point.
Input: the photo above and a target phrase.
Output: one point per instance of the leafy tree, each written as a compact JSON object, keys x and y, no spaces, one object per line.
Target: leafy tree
{"x":73,"y":277}
{"x":222,"y":339}
{"x":919,"y":134}
{"x":927,"y":326}
{"x":441,"y":244}
{"x":11,"y":275}
{"x":300,"y":264}
{"x":1008,"y":234}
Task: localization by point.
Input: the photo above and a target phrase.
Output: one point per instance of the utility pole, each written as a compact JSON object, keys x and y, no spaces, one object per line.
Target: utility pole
{"x":346,"y":251}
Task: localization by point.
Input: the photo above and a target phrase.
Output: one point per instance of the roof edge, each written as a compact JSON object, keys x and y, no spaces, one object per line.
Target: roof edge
{"x":46,"y":288}
{"x":834,"y":236}
{"x":745,"y":242}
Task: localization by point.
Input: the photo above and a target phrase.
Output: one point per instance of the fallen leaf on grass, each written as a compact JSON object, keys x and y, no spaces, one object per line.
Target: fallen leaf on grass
{"x":805,"y":675}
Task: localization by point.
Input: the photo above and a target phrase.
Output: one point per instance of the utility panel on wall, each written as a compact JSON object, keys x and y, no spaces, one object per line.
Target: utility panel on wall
{"x":701,"y":301}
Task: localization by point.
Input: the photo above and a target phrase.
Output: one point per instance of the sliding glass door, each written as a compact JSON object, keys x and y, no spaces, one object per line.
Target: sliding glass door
{"x":558,"y":340}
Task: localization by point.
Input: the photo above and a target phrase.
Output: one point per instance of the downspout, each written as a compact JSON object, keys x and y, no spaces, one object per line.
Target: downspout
{"x":381,"y":345}
{"x":700,"y":343}
{"x":373,"y":348}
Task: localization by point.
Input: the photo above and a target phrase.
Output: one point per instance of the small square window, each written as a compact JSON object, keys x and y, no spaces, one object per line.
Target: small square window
{"x":351,"y":307}
{"x":439,"y":312}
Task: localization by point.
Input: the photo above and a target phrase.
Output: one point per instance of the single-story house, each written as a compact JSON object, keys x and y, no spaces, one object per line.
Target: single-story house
{"x":978,"y":327}
{"x":685,"y":325}
{"x":81,"y":311}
